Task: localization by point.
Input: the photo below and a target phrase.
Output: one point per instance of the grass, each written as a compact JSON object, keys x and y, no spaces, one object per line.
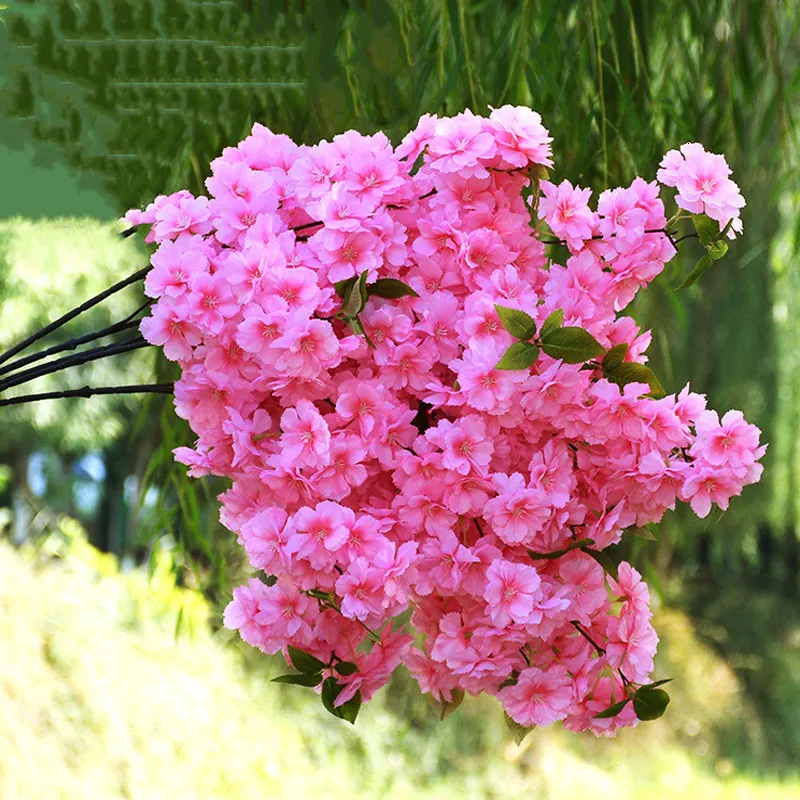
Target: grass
{"x":100,"y":699}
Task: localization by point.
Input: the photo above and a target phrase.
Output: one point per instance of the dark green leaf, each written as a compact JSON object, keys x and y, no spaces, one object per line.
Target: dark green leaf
{"x":540,"y":172}
{"x":517,"y":731}
{"x":555,"y":320}
{"x":644,"y":533}
{"x":717,"y":250}
{"x":346,"y":668}
{"x":304,"y":662}
{"x":627,"y":372}
{"x":613,"y":710}
{"x":390,"y":289}
{"x":650,"y":703}
{"x":563,"y":551}
{"x":445,"y":709}
{"x":330,"y":691}
{"x":615,"y":356}
{"x":604,"y":560}
{"x":657,"y":683}
{"x":343,"y":287}
{"x":355,"y":325}
{"x":300,"y":679}
{"x":699,"y":268}
{"x":349,"y":711}
{"x":356,"y":297}
{"x":724,"y":231}
{"x":520,"y":355}
{"x":707,"y":228}
{"x":571,"y":345}
{"x":520,"y":325}
{"x":362,"y":289}
{"x":511,"y":680}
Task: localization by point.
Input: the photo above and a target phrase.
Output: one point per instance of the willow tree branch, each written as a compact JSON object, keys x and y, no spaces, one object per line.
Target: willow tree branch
{"x":90,"y":391}
{"x":73,"y":361}
{"x":70,"y":315}
{"x":123,"y":325}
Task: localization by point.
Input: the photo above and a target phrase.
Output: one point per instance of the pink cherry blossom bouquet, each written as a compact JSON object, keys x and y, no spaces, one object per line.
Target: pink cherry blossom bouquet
{"x":433,"y":430}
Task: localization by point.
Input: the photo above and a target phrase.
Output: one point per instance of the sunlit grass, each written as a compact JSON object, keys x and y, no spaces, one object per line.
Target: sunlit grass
{"x":100,"y":699}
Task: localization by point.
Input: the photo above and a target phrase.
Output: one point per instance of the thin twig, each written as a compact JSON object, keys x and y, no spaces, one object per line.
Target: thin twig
{"x":89,"y":391}
{"x":70,"y":315}
{"x":73,"y":361}
{"x":123,"y":325}
{"x":600,"y":650}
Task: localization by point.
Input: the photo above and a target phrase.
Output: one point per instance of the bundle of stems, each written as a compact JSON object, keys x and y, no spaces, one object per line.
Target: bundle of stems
{"x":19,"y":372}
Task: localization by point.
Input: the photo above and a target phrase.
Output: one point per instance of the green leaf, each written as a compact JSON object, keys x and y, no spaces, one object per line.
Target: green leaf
{"x":356,"y":297}
{"x":699,"y":268}
{"x":346,"y":668}
{"x":343,"y":287}
{"x":390,"y":289}
{"x":615,"y":356}
{"x":657,"y":683}
{"x":724,"y":231}
{"x":349,"y":711}
{"x":563,"y":551}
{"x":304,"y":662}
{"x":300,"y":679}
{"x":517,"y":731}
{"x":445,"y":709}
{"x":604,"y":560}
{"x":644,"y":533}
{"x":717,"y":250}
{"x":520,"y":325}
{"x":539,"y":171}
{"x":613,"y":710}
{"x":571,"y":345}
{"x":330,"y":691}
{"x":355,"y":325}
{"x":554,"y":321}
{"x":520,"y":355}
{"x":650,"y":703}
{"x":707,"y":228}
{"x":511,"y":680}
{"x":627,"y":372}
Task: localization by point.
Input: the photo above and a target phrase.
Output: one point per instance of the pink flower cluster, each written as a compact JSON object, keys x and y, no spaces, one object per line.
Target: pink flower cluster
{"x":703,"y":185}
{"x":405,"y":498}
